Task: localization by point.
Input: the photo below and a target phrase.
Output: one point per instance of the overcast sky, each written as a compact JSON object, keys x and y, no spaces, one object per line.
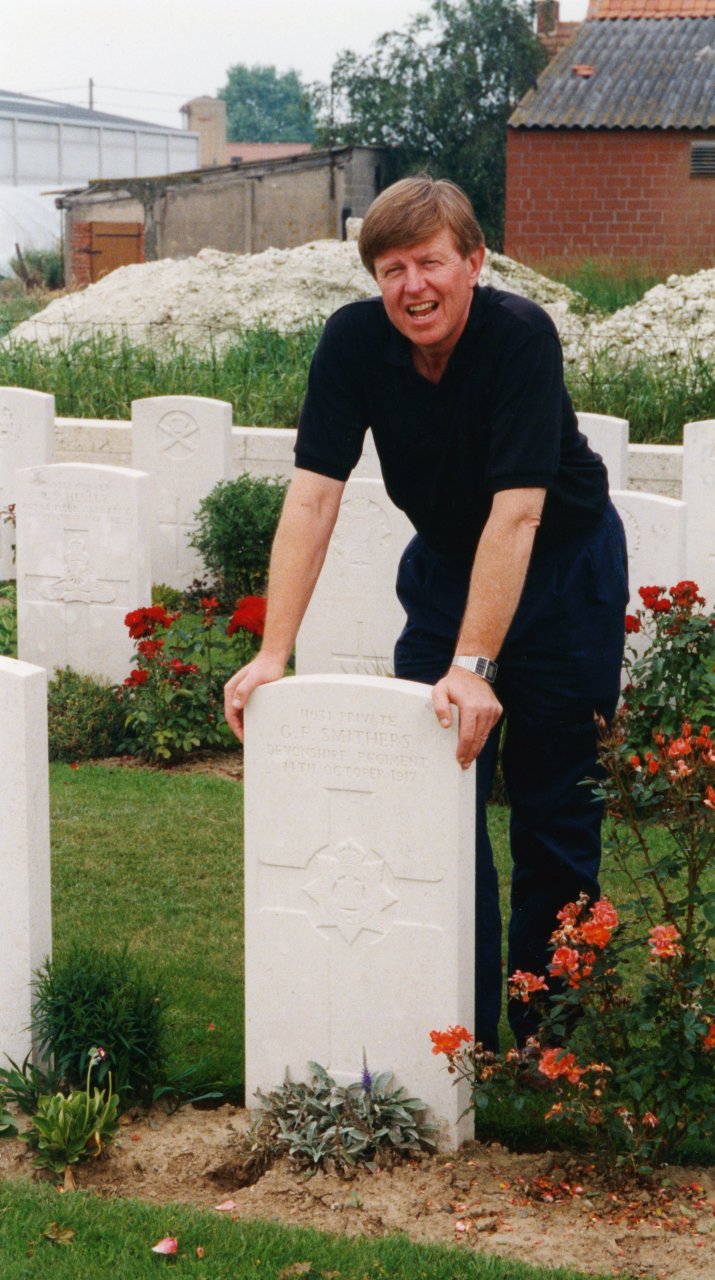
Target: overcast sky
{"x":148,"y":57}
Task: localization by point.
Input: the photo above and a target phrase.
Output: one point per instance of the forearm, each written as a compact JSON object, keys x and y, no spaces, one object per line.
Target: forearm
{"x":299,"y":549}
{"x":499,"y":573}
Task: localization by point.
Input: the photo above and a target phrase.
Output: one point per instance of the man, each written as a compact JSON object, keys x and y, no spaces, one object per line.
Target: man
{"x":515,"y":585}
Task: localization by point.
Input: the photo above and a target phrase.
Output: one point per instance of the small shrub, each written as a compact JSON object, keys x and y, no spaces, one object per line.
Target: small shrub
{"x":170,"y":597}
{"x":236,"y":523}
{"x":85,"y":717}
{"x":322,"y":1124}
{"x":95,"y":997}
{"x":8,"y":620}
{"x":41,"y":268}
{"x":25,"y":1085}
{"x":69,"y":1128}
{"x":173,"y":698}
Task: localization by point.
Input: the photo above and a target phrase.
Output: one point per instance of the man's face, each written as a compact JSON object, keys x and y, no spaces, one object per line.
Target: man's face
{"x":427,"y":290}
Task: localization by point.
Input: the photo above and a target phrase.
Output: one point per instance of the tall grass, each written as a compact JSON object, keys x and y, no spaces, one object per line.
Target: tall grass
{"x":263,"y":377}
{"x":607,"y":286}
{"x":262,"y":374}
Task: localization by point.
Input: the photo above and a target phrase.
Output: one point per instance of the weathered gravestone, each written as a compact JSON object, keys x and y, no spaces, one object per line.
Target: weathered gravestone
{"x":699,"y":493}
{"x":27,"y":421}
{"x":354,"y":617}
{"x":359,"y":895}
{"x":655,"y":535}
{"x":184,"y":443}
{"x":609,"y":437}
{"x":82,"y":565}
{"x":26,"y":934}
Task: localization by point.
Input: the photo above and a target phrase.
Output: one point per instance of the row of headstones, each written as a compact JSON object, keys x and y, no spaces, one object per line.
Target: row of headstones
{"x":183,"y":443}
{"x":373,"y":890}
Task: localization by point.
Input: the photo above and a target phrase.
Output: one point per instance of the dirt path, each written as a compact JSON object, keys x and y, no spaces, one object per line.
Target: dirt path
{"x":545,"y":1209}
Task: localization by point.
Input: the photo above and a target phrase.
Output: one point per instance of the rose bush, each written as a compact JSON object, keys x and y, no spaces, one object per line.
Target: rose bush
{"x":625,"y":1054}
{"x":173,"y":697}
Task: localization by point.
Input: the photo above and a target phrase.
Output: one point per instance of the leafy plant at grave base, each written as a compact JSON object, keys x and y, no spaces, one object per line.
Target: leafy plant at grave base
{"x":24,"y":1085}
{"x":325,"y":1125}
{"x":631,"y":1067}
{"x":8,"y":620}
{"x":236,"y":523}
{"x":8,"y":1128}
{"x":173,"y":699}
{"x":675,"y":674}
{"x":85,"y":719}
{"x":74,"y":1127}
{"x":92,"y":996}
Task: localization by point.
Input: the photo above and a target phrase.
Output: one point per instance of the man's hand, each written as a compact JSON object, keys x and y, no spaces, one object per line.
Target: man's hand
{"x":236,"y":692}
{"x":479,"y":710}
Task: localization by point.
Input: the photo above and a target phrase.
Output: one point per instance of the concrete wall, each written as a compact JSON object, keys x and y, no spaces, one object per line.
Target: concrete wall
{"x":616,"y":194}
{"x":280,"y":204}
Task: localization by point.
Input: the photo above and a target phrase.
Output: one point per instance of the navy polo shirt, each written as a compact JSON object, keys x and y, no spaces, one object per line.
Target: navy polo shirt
{"x":500,"y":418}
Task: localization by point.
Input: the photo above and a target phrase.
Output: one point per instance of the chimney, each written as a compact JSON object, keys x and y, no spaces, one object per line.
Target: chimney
{"x":207,"y":117}
{"x":547,"y":17}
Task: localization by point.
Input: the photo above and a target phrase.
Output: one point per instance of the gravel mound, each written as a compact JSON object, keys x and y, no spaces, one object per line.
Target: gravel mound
{"x":207,"y":298}
{"x":675,"y":318}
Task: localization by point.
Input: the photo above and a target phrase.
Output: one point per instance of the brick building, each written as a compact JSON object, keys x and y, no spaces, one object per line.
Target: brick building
{"x":612,"y":155}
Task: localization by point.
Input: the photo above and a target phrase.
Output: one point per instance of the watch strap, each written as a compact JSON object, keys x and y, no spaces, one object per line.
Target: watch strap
{"x":484,"y":667}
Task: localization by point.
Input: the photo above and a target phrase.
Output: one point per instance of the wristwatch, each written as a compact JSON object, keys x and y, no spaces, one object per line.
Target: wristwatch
{"x":484,"y":667}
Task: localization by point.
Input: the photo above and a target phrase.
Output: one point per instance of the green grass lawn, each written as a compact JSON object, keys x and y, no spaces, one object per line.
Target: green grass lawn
{"x":114,"y":1239}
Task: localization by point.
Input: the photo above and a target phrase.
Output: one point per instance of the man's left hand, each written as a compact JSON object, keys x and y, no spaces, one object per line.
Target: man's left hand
{"x":479,"y":710}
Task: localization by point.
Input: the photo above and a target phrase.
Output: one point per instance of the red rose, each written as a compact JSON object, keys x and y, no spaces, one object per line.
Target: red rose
{"x":632,"y":624}
{"x":138,"y":676}
{"x":250,"y":614}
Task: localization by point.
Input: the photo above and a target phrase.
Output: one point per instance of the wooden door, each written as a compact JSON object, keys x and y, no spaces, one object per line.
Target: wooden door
{"x":114,"y":244}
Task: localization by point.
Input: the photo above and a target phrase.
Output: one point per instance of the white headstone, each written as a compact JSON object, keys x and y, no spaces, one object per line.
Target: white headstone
{"x":655,"y":535}
{"x":27,"y":421}
{"x":699,"y":493}
{"x":26,"y":934}
{"x":609,"y":437}
{"x":354,"y":617}
{"x":359,"y":899}
{"x":184,"y":443}
{"x":82,"y":565}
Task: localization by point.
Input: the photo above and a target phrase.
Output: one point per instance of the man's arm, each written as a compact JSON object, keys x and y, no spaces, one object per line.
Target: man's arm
{"x":307,"y":521}
{"x":495,"y":588}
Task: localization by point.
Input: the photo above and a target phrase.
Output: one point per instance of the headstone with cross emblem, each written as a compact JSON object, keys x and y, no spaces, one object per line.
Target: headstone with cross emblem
{"x":27,"y":421}
{"x":608,"y":437}
{"x":82,"y":565}
{"x":359,"y":896}
{"x":26,"y":934}
{"x":354,"y":617}
{"x":184,"y":443}
{"x":699,"y":493}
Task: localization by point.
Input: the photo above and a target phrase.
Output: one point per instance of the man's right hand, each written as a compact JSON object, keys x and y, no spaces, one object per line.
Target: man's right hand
{"x":262,"y":670}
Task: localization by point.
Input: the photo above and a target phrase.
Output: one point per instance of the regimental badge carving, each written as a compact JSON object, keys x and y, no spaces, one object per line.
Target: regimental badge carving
{"x":10,"y":427}
{"x":632,"y":528}
{"x":349,"y":890}
{"x":178,"y":434}
{"x":77,"y":583}
{"x":362,"y":530}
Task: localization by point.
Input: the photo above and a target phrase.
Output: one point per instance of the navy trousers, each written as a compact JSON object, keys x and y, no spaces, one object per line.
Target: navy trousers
{"x":559,"y":669}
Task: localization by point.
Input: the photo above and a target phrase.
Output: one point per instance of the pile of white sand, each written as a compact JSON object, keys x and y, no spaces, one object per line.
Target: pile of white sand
{"x":208,"y":298}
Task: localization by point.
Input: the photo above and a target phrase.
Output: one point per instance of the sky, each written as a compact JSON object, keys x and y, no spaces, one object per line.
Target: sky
{"x":148,"y":57}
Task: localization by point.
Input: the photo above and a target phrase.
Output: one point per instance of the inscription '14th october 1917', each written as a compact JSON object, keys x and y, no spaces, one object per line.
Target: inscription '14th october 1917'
{"x":348,"y":746}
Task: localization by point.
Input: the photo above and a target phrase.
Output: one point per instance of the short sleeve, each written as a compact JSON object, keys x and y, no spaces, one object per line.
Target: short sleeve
{"x":526,"y":416}
{"x":333,"y":419}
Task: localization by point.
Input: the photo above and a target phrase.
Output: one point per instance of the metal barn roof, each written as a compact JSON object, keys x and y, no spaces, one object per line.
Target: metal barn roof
{"x":628,"y":73}
{"x":20,"y":104}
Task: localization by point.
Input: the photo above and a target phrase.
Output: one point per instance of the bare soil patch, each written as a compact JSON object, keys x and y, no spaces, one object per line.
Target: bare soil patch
{"x":548,"y":1209}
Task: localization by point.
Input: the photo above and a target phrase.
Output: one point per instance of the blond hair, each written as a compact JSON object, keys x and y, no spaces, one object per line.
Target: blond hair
{"x":414,"y":209}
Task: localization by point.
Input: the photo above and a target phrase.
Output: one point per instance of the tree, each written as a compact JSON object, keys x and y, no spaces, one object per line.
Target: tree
{"x":262,"y":106}
{"x":441,"y":92}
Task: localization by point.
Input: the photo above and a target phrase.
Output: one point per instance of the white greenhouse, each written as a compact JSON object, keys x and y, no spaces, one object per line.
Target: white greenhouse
{"x":46,"y":146}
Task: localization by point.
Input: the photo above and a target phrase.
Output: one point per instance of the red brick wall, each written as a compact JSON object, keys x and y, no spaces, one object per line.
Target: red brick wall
{"x":80,"y":244}
{"x":617,"y":194}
